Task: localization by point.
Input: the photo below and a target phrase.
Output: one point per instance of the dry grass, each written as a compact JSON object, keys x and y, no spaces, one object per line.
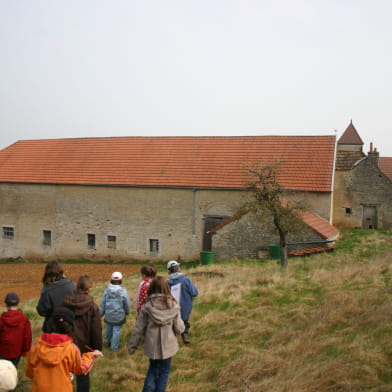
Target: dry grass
{"x":324,"y":324}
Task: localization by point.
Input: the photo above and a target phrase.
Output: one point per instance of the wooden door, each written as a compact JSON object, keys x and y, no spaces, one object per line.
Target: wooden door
{"x":369,"y":217}
{"x":210,"y":223}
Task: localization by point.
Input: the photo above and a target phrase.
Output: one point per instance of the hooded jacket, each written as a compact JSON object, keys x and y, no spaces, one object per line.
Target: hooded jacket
{"x":87,"y":325}
{"x":52,"y":359}
{"x":115,"y":304}
{"x":159,"y":325}
{"x":188,"y":292}
{"x":52,"y":296}
{"x":15,"y":334}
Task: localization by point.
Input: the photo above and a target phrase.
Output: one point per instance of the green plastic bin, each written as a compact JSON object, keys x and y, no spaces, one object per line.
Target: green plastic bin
{"x":206,"y":257}
{"x":274,"y":251}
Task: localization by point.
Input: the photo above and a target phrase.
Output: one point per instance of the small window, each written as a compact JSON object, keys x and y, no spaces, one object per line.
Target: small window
{"x":91,"y":241}
{"x":154,"y":246}
{"x":348,"y":210}
{"x":47,"y":237}
{"x":112,"y":241}
{"x":8,"y":232}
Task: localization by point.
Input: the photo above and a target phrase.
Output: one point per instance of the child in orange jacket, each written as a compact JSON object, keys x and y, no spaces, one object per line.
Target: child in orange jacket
{"x":54,"y":357}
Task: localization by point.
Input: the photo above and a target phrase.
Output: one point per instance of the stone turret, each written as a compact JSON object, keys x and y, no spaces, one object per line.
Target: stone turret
{"x":349,"y":149}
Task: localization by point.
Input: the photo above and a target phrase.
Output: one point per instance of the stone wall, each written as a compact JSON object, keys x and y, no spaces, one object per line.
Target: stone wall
{"x":132,"y":216}
{"x":246,"y":238}
{"x":364,"y":185}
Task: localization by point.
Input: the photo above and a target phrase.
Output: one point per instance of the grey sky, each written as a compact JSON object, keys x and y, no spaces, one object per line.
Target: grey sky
{"x":203,"y":67}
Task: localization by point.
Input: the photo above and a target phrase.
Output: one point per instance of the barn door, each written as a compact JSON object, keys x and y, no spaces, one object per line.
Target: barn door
{"x":369,"y":217}
{"x":209,"y":223}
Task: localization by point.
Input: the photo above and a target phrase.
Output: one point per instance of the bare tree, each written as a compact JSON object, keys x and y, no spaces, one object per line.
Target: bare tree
{"x":268,"y":200}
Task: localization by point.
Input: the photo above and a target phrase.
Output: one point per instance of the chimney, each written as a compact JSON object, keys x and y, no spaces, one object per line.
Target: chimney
{"x":373,"y":155}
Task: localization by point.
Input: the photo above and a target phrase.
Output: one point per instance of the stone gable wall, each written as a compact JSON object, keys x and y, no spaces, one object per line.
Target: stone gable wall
{"x":246,"y":238}
{"x":364,"y":185}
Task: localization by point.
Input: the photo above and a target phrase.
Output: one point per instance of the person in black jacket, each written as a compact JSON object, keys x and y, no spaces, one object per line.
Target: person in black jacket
{"x":87,"y":333}
{"x":56,"y":287}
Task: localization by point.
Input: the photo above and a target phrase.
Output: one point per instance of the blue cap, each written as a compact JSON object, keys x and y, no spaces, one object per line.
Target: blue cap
{"x":11,"y":299}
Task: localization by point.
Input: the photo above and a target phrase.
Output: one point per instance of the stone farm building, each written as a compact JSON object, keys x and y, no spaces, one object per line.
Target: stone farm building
{"x":363,"y":185}
{"x":153,"y":198}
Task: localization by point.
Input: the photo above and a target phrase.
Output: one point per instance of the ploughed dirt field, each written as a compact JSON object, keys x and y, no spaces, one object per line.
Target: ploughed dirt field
{"x":25,"y":279}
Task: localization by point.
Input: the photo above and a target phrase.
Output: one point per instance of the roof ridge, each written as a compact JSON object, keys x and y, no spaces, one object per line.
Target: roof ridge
{"x":170,"y":137}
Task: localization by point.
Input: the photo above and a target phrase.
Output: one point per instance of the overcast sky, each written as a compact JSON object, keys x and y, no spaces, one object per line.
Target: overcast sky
{"x":82,"y":68}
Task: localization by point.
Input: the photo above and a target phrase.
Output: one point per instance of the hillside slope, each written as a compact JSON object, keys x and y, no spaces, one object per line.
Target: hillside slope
{"x":324,"y":324}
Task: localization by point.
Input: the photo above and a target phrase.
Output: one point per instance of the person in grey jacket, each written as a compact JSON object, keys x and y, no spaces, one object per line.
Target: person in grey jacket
{"x":115,"y":306}
{"x":158,"y":322}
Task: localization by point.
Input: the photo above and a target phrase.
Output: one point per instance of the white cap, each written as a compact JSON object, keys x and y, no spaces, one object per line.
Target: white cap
{"x":8,"y":375}
{"x":117,"y":276}
{"x":172,"y":263}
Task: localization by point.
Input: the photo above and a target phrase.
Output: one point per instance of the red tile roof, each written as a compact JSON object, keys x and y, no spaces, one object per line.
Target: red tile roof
{"x":218,"y":162}
{"x":350,"y":136}
{"x":320,"y":225}
{"x":385,"y":165}
{"x":311,"y":251}
{"x":345,"y":160}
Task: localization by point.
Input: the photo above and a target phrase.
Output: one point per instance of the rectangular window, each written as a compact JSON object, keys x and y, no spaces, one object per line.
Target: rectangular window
{"x":154,"y":246}
{"x":8,"y":232}
{"x":91,"y":241}
{"x":112,"y":241}
{"x":348,"y":210}
{"x":47,"y":237}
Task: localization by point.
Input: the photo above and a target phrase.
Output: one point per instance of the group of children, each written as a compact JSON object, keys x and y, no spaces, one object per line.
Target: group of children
{"x":72,"y":329}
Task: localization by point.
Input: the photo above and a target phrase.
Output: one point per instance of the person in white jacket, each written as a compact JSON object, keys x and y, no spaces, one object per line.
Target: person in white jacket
{"x":158,"y":322}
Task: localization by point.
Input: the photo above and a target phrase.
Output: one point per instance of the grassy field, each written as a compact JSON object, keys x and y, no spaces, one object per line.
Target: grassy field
{"x":324,"y":324}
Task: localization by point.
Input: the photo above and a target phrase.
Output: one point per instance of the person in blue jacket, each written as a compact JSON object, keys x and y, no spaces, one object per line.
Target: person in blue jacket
{"x":115,"y":306}
{"x":184,"y":291}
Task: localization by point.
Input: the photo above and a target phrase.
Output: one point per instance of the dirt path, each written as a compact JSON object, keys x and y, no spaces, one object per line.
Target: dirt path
{"x":25,"y":279}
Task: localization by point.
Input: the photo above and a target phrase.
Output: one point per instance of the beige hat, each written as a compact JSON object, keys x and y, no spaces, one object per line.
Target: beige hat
{"x":8,"y":376}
